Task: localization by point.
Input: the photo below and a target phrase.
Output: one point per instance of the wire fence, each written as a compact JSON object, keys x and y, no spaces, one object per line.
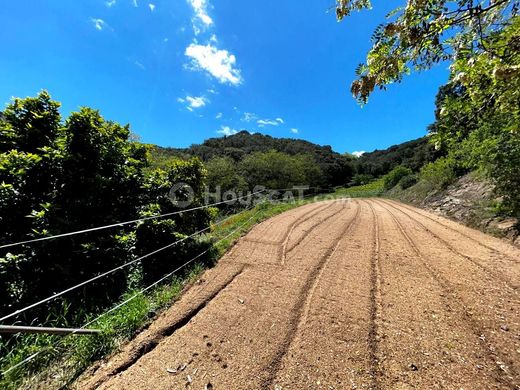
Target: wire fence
{"x":130,"y":299}
{"x":119,"y":224}
{"x":111,"y":271}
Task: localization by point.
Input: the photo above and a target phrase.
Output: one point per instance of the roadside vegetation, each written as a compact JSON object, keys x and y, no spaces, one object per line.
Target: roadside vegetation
{"x":372,"y":189}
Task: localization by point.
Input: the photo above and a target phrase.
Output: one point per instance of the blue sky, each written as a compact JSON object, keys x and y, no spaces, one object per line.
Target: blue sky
{"x":181,"y":71}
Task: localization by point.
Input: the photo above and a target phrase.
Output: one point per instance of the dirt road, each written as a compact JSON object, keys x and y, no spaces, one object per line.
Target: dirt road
{"x":339,"y":295}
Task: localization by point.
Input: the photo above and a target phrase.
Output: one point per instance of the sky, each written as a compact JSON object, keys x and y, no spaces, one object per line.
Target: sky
{"x":182,"y":71}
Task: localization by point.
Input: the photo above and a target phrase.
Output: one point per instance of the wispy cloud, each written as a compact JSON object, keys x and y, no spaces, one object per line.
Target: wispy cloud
{"x":151,"y":6}
{"x":218,"y":116}
{"x":227,"y":131}
{"x":249,"y":117}
{"x":269,"y":122}
{"x":358,"y":153}
{"x":218,"y":63}
{"x":134,"y":3}
{"x":294,"y":131}
{"x":110,"y":3}
{"x":201,"y":20}
{"x":139,"y":65}
{"x":99,"y":24}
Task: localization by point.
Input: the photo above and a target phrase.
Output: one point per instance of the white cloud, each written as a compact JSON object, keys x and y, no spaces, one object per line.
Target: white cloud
{"x":227,"y":131}
{"x":219,"y":63}
{"x":110,"y":3}
{"x":139,"y":65}
{"x":151,"y":6}
{"x":280,"y":120}
{"x":218,"y":116}
{"x":201,"y":13}
{"x":134,"y":2}
{"x":268,"y":122}
{"x":358,"y":153}
{"x":194,"y":102}
{"x":294,"y":131}
{"x":249,"y":117}
{"x":197,"y":101}
{"x":99,"y":24}
{"x":213,"y":39}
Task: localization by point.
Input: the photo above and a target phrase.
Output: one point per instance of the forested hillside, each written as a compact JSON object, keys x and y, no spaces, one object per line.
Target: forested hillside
{"x":256,"y":159}
{"x":412,"y":154}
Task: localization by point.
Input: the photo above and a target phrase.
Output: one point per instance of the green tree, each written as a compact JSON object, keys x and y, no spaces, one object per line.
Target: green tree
{"x":422,"y":33}
{"x":392,"y":178}
{"x":60,"y":176}
{"x":224,"y":172}
{"x":276,"y":170}
{"x":478,"y":114}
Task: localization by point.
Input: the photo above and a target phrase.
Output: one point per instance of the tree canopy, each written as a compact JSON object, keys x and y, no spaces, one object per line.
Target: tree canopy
{"x":335,"y":168}
{"x":421,"y":33}
{"x":58,"y":176}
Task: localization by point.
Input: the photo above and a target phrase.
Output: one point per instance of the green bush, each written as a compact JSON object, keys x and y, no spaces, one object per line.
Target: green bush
{"x":392,"y":178}
{"x":407,"y":181}
{"x":440,"y":173}
{"x":506,"y":171}
{"x":362,"y":179}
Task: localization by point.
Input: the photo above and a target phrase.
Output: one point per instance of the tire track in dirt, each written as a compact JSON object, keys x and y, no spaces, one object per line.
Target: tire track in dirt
{"x":376,"y":308}
{"x":286,"y":251}
{"x":460,"y":232}
{"x":301,"y":308}
{"x":283,"y":248}
{"x":508,"y":282}
{"x":493,"y":356}
{"x":266,"y":227}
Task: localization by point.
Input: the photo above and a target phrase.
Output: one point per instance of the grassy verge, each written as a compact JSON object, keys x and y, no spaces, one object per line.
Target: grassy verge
{"x":369,"y":190}
{"x":61,"y":360}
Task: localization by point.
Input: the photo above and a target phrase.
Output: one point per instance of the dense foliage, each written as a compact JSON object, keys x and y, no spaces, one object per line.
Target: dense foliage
{"x":422,"y":33}
{"x":392,"y":178}
{"x":325,"y":167}
{"x":478,"y":113}
{"x":59,"y":176}
{"x":412,"y":154}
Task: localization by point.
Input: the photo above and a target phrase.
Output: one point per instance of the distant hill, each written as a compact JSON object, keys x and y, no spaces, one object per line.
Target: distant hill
{"x":412,"y":154}
{"x":336,"y":168}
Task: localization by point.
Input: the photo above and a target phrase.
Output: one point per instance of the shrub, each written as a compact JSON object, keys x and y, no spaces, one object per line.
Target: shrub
{"x":407,"y":181}
{"x":440,"y":173}
{"x":392,"y":178}
{"x":362,"y":179}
